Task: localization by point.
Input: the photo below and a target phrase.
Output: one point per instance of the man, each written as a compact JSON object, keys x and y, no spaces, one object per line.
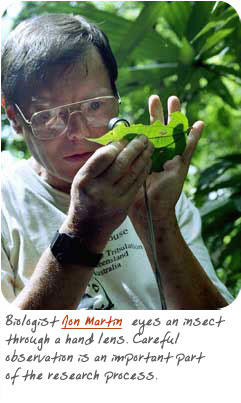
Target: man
{"x":74,"y":221}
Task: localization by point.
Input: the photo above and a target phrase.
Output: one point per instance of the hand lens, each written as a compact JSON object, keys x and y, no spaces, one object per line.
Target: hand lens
{"x":117,"y":122}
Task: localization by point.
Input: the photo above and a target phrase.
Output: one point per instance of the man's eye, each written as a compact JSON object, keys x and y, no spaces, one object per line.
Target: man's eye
{"x":63,"y":115}
{"x":95,"y":105}
{"x":42,"y":118}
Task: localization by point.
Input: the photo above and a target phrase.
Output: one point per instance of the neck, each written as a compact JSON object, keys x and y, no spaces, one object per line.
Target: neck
{"x":53,"y":181}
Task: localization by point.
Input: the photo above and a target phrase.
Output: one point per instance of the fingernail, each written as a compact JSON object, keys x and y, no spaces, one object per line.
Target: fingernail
{"x":123,"y":142}
{"x":197,"y":124}
{"x":144,"y":139}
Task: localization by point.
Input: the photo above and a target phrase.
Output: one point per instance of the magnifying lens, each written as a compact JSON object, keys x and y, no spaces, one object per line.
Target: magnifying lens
{"x":117,"y":122}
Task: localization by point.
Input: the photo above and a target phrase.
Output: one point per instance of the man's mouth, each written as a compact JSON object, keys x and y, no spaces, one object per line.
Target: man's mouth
{"x":78,"y":157}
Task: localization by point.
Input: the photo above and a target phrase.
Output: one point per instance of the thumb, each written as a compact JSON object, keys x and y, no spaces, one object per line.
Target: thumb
{"x":193,"y":139}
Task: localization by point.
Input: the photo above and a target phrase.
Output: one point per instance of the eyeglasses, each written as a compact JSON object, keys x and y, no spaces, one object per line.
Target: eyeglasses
{"x":51,"y":123}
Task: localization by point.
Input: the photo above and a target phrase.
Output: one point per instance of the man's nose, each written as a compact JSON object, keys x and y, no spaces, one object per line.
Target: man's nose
{"x":77,"y":126}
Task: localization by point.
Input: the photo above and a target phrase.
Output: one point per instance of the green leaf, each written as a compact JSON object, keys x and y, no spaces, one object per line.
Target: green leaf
{"x":216,"y":214}
{"x":232,"y":182}
{"x":214,"y":40}
{"x":233,"y":247}
{"x":237,"y":202}
{"x":198,"y":18}
{"x":132,"y":78}
{"x":186,"y":54}
{"x":168,"y":140}
{"x":176,"y":14}
{"x":218,"y":87}
{"x":234,"y":158}
{"x":217,"y":24}
{"x":144,"y":23}
{"x":222,"y":70}
{"x":210,"y":174}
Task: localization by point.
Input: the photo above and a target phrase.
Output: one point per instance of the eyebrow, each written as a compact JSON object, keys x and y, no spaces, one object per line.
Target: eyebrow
{"x":45,"y":103}
{"x":41,"y":101}
{"x":41,"y":104}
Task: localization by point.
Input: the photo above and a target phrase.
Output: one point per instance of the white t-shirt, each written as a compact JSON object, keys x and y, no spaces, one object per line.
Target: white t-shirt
{"x":31,"y":213}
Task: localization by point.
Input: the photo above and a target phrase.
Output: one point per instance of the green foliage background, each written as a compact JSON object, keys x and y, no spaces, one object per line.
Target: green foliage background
{"x":192,"y":50}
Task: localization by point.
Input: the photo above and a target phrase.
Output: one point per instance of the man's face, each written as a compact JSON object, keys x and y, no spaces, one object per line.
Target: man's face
{"x":60,"y":158}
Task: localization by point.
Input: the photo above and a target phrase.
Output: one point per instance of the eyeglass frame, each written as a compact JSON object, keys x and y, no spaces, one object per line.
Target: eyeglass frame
{"x":28,"y":122}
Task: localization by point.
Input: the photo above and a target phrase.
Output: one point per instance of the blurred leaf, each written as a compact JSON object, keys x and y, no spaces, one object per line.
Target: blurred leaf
{"x":237,"y":202}
{"x":217,"y":24}
{"x":177,"y":15}
{"x":186,"y":55}
{"x":199,"y":17}
{"x":223,"y":116}
{"x":215,"y":39}
{"x":233,"y":249}
{"x":134,"y":36}
{"x":136,"y":77}
{"x":224,"y":70}
{"x":217,"y":87}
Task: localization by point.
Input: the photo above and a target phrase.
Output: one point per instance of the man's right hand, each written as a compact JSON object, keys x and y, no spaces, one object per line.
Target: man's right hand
{"x":104,"y":188}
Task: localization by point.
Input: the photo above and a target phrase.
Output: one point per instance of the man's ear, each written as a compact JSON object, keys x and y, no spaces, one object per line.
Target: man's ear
{"x":12,"y":117}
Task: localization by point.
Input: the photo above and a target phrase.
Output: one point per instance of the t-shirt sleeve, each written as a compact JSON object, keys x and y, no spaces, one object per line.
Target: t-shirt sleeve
{"x":7,"y":277}
{"x":7,"y":270}
{"x":190,"y":226}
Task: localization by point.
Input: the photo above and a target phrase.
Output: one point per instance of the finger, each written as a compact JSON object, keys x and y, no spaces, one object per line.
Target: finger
{"x":125,"y":159}
{"x":103,"y":158}
{"x":155,"y":109}
{"x":135,"y":170}
{"x":135,"y":187}
{"x":173,"y":105}
{"x":193,"y":140}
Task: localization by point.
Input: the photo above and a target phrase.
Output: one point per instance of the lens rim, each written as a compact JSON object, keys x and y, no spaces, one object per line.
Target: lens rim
{"x":30,"y":122}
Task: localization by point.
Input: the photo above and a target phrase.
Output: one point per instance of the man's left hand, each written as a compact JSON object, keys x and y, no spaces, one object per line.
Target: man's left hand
{"x":164,"y":188}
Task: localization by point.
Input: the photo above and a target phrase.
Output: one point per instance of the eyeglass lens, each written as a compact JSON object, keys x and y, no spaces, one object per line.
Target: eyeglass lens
{"x":96,"y":114}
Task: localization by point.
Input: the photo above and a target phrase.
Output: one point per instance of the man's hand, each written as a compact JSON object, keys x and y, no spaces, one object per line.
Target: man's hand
{"x":164,"y":188}
{"x":104,"y":188}
{"x":185,"y":283}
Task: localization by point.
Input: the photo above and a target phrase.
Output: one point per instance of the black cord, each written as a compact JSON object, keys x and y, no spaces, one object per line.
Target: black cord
{"x":153,"y":249}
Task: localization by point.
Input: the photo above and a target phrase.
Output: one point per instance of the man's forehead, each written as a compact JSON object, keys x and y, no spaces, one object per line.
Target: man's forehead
{"x":90,"y":63}
{"x":68,"y":77}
